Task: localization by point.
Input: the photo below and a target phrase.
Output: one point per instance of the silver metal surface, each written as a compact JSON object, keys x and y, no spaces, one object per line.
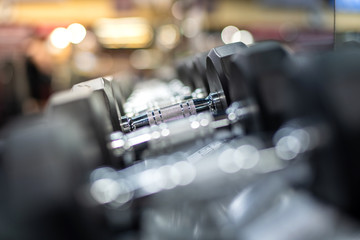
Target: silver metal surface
{"x":158,"y":137}
{"x":174,"y":112}
{"x":177,"y":132}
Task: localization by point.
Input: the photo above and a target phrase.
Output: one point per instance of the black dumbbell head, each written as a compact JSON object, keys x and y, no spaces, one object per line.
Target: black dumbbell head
{"x":257,"y":74}
{"x":44,"y":167}
{"x":340,"y":82}
{"x":88,"y":109}
{"x":113,"y":99}
{"x":329,"y":87}
{"x":217,"y":63}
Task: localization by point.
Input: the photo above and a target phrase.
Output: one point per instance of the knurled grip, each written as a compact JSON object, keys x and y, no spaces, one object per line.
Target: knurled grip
{"x":170,"y":113}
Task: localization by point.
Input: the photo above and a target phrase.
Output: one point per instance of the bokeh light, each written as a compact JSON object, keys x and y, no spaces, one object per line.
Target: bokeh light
{"x":231,"y":34}
{"x":60,"y":38}
{"x":227,"y":34}
{"x":176,"y":10}
{"x":246,"y":37}
{"x":85,"y":61}
{"x":77,"y":33}
{"x":190,"y":27}
{"x":145,"y":59}
{"x":168,"y":36}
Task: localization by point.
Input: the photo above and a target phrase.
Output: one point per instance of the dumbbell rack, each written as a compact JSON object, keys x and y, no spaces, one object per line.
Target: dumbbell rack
{"x":273,"y":147}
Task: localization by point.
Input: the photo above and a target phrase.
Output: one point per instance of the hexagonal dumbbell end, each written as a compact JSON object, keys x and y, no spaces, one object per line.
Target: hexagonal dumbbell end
{"x":217,"y":63}
{"x":112,"y":96}
{"x":258,"y":74}
{"x":88,"y":110}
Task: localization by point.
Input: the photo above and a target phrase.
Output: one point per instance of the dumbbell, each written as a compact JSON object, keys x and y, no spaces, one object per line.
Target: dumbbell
{"x":90,"y":119}
{"x":250,"y":80}
{"x":120,"y":149}
{"x":128,"y":148}
{"x":257,"y":75}
{"x":125,"y":149}
{"x":157,"y":186}
{"x":328,"y":132}
{"x":44,"y":165}
{"x":183,"y":109}
{"x":239,"y":111}
{"x":257,"y":79}
{"x":91,"y":110}
{"x":215,"y":102}
{"x":186,"y":181}
{"x":336,"y":98}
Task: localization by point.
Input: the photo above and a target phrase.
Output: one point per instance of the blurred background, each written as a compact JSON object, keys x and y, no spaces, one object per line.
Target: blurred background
{"x":50,"y":45}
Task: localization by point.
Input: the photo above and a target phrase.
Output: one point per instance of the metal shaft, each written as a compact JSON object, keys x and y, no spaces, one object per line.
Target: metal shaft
{"x":173,"y":112}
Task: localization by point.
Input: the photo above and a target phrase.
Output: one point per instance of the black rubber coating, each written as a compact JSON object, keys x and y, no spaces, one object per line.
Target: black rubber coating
{"x":258,"y":75}
{"x":216,"y":61}
{"x":88,"y":111}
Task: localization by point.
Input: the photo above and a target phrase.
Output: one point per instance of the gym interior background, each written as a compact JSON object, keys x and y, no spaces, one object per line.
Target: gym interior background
{"x":71,"y":168}
{"x":140,"y":38}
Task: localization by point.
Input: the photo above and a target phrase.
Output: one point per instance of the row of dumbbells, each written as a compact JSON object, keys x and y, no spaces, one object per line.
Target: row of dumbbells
{"x":110,"y":122}
{"x":314,"y":98}
{"x":293,"y":182}
{"x":49,"y":157}
{"x":237,"y":141}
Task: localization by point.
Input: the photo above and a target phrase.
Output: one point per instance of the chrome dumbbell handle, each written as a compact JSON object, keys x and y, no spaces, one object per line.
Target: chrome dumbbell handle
{"x":177,"y":111}
{"x":162,"y":115}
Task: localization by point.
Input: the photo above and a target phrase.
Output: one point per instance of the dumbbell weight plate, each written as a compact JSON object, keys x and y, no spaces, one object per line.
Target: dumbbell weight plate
{"x":88,"y":109}
{"x":258,"y":74}
{"x":112,"y":101}
{"x":330,"y":87}
{"x":45,"y":166}
{"x":216,"y":62}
